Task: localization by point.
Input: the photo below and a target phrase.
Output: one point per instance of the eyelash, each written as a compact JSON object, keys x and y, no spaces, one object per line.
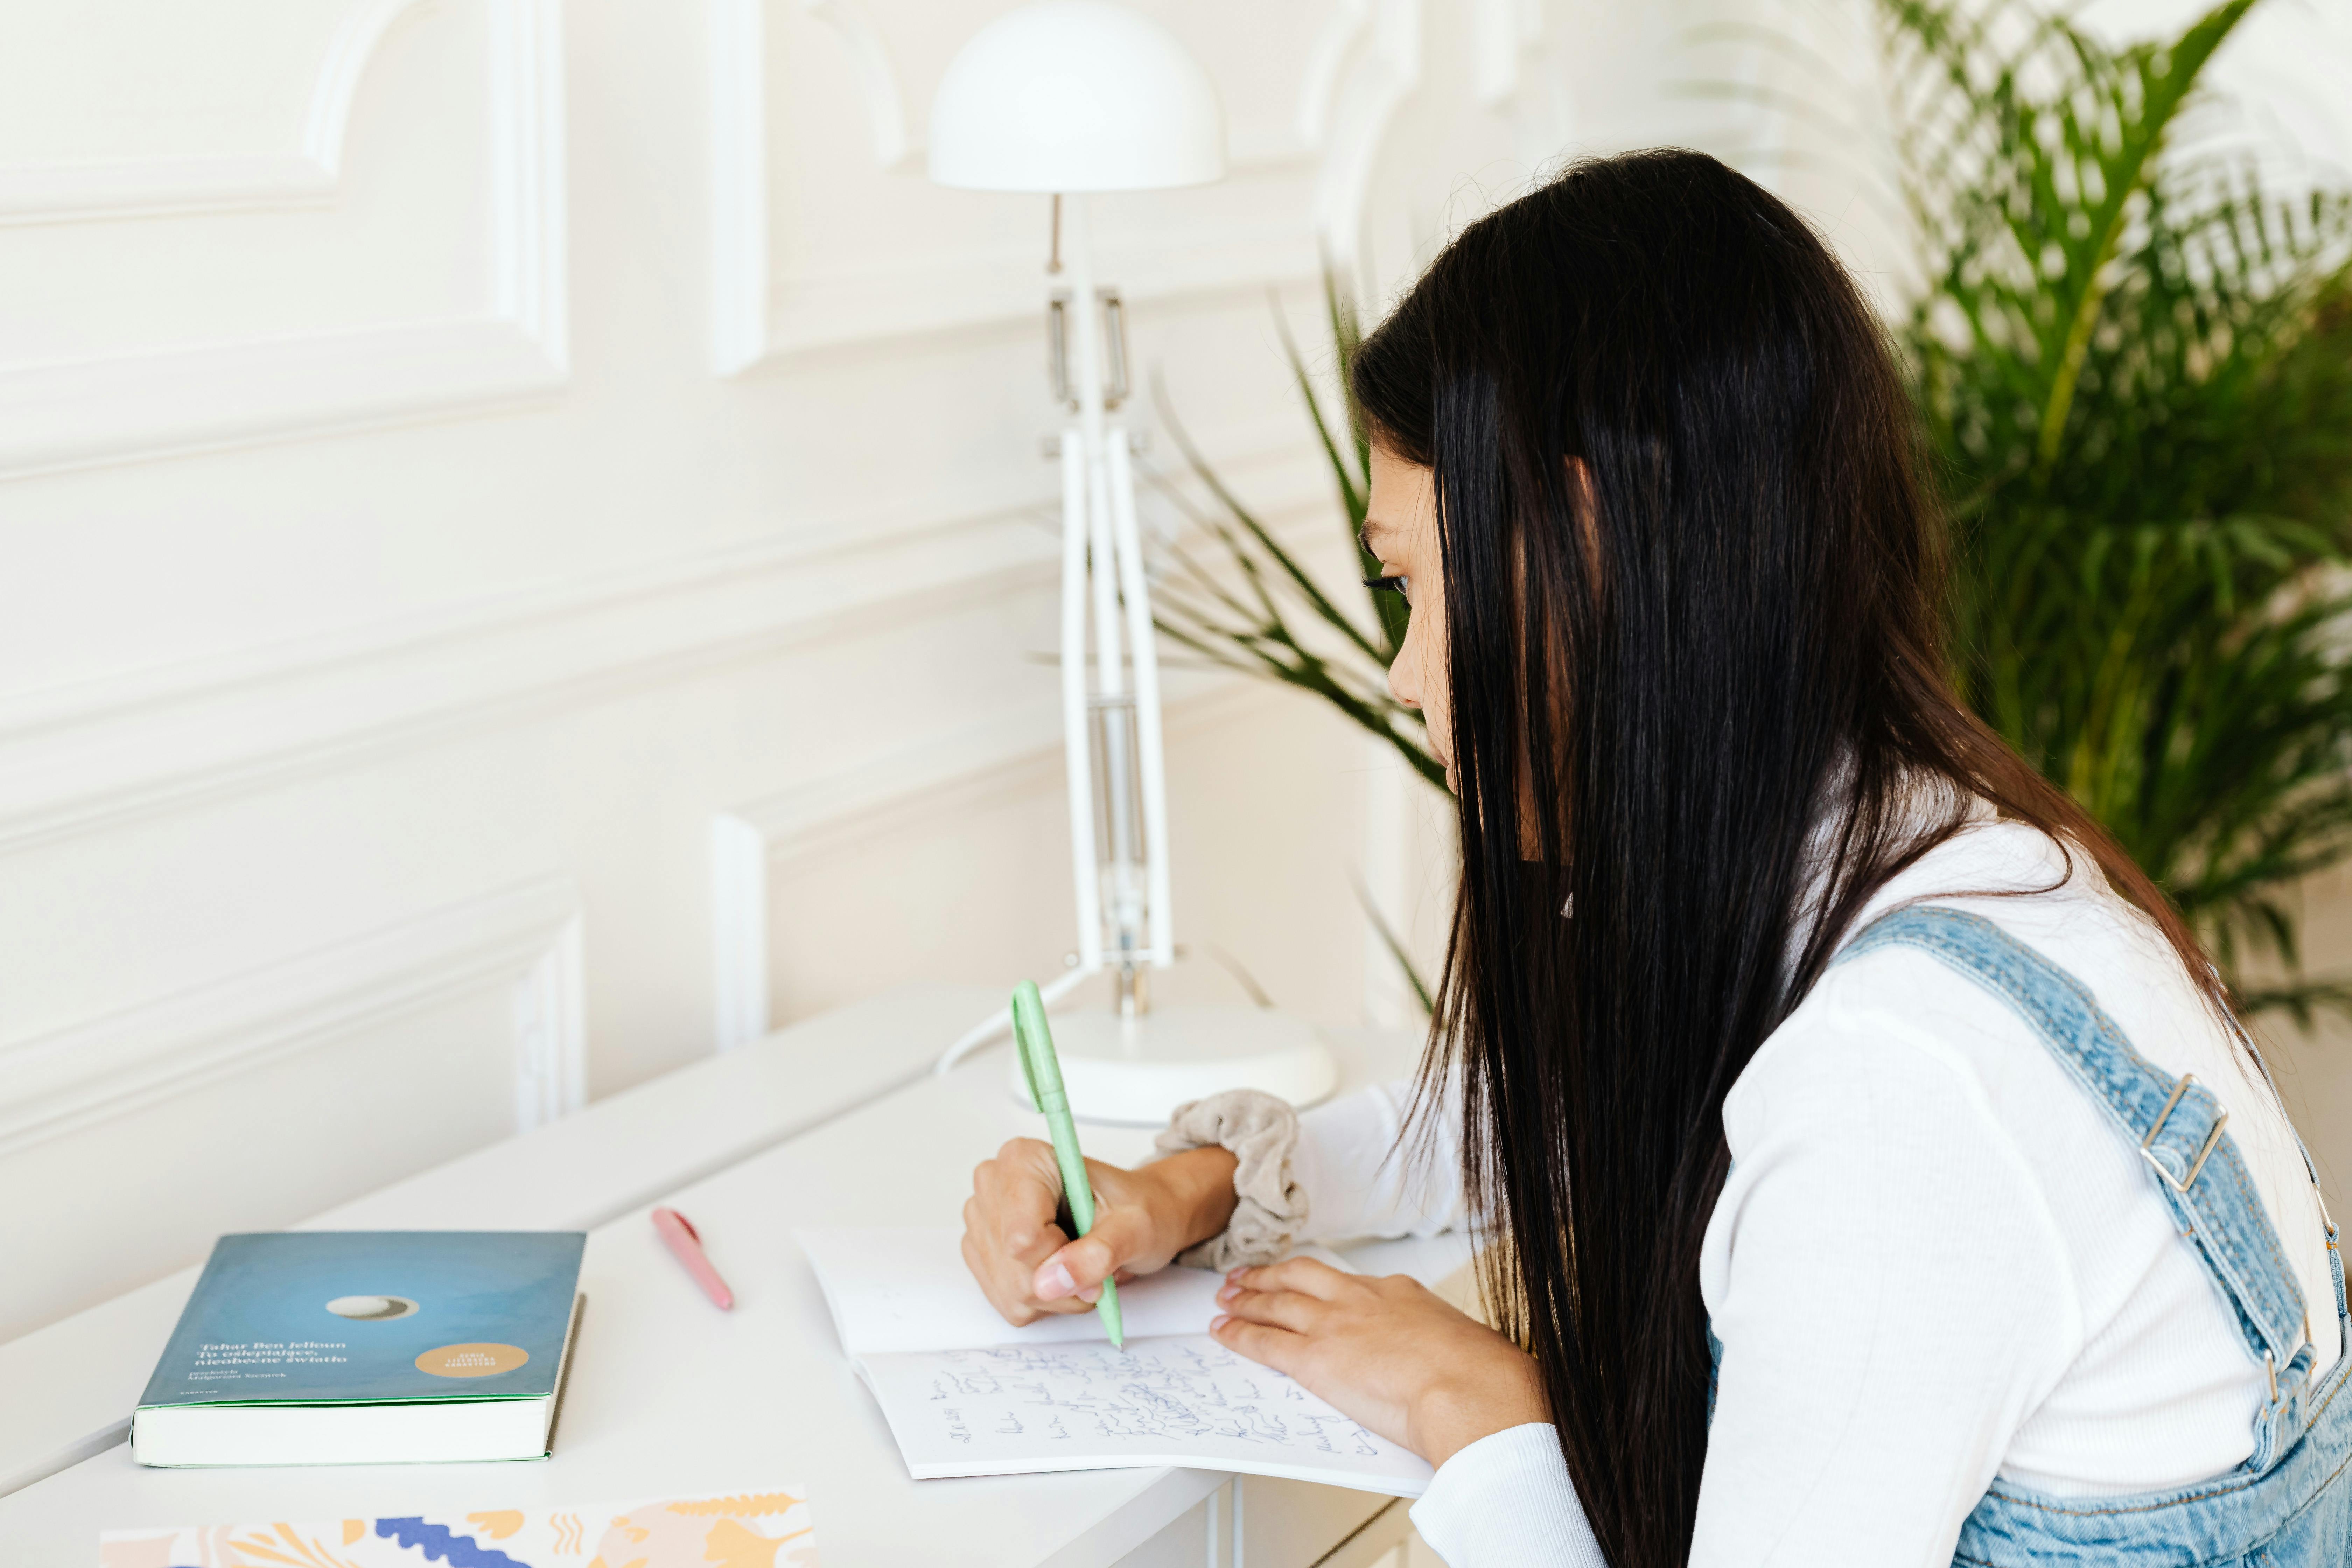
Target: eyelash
{"x":1396,"y":586}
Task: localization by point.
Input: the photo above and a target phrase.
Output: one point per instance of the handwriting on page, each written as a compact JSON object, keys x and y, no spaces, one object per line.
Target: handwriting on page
{"x":1182,"y":1390}
{"x":1178,"y":1399}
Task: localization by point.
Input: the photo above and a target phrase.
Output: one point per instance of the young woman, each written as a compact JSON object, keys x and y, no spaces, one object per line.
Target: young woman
{"x":1843,"y":1112}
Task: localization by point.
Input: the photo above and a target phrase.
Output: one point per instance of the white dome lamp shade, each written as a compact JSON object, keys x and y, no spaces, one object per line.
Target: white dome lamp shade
{"x":1071,"y":96}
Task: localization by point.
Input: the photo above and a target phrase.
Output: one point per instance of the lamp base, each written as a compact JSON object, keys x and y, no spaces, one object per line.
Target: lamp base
{"x":1134,"y":1072}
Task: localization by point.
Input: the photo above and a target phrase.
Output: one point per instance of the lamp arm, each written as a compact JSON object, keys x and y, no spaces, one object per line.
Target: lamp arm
{"x":1150,"y":755}
{"x":1111,"y":650}
{"x":1078,"y":753}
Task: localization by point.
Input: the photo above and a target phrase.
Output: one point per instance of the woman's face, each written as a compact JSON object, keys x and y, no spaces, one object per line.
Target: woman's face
{"x":1400,"y":530}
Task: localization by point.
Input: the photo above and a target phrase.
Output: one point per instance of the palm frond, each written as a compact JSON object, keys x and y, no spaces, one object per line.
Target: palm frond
{"x":2134,"y":362}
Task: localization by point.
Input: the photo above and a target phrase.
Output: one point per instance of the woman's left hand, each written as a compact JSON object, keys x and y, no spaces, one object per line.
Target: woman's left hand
{"x":1387,"y":1351}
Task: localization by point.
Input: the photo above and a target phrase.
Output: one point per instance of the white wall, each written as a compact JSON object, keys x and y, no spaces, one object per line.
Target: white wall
{"x":453,"y":452}
{"x":463,"y":460}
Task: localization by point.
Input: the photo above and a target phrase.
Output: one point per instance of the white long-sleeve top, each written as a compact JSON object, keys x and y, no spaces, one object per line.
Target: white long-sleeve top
{"x":1935,"y":1260}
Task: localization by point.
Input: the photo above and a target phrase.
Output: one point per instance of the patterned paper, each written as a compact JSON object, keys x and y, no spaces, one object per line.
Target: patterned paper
{"x":753,"y":1530}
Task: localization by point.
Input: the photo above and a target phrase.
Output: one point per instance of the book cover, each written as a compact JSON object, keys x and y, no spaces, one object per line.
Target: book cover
{"x":316,"y":1317}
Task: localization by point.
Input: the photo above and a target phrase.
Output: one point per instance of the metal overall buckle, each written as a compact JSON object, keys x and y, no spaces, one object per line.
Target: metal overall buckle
{"x":2212,"y":1139}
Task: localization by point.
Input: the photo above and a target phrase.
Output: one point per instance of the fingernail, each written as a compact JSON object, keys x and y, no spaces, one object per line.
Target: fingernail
{"x":1054,"y":1282}
{"x":1091,"y":1294}
{"x":1219,"y":1321}
{"x":1235,"y":1275}
{"x":1228,"y":1292}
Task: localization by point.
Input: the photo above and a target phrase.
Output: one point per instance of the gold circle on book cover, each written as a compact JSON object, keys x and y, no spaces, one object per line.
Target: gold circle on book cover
{"x":471,"y":1360}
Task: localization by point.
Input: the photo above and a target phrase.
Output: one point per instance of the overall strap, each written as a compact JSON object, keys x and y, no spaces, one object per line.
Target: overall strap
{"x":2177,"y":1122}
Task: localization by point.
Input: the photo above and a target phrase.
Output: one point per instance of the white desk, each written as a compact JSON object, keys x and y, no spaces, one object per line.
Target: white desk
{"x":667,"y":1395}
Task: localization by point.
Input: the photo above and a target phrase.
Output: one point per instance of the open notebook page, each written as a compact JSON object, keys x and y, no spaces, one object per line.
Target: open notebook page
{"x":966,"y":1394}
{"x":1177,"y":1399}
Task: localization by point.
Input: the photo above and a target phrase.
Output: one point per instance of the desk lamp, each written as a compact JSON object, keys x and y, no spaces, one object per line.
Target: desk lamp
{"x":1064,"y":97}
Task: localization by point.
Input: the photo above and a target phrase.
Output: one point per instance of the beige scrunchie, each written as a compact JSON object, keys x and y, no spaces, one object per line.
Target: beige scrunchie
{"x":1261,"y":1130}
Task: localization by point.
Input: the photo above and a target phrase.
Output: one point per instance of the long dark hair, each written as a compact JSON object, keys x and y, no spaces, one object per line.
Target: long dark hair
{"x":1662,"y":682}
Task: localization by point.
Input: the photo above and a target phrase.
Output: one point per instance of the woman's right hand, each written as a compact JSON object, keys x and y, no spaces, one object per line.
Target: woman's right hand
{"x":1029,"y":1266}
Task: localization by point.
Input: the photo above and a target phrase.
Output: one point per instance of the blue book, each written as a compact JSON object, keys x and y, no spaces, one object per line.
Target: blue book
{"x":367,"y":1348}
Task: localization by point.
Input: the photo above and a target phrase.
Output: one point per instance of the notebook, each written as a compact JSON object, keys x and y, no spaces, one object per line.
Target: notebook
{"x":769,"y":1529}
{"x":966,"y":1394}
{"x":367,"y":1347}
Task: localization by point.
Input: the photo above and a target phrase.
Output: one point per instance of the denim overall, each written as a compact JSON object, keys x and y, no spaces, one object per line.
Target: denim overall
{"x":2290,"y":1504}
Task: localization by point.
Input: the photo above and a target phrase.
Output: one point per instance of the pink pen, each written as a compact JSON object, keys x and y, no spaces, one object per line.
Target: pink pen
{"x":687,"y":1248}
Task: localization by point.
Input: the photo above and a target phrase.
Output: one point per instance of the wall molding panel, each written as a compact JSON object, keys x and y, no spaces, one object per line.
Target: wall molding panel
{"x":1021,"y":750}
{"x":1368,"y":64}
{"x":550,"y":1030}
{"x":531,"y":223}
{"x":72,"y":414}
{"x":528,"y":937}
{"x":84,"y":190}
{"x":830,"y":311}
{"x":1016,"y":753}
{"x":739,"y":185}
{"x":77,"y":758}
{"x":878,"y":79}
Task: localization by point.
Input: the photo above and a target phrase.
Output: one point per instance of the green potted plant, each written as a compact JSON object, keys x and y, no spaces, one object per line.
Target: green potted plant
{"x":2134,"y":366}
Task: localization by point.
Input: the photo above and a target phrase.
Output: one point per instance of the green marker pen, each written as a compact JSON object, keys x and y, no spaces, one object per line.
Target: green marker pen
{"x":1043,"y":1070}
